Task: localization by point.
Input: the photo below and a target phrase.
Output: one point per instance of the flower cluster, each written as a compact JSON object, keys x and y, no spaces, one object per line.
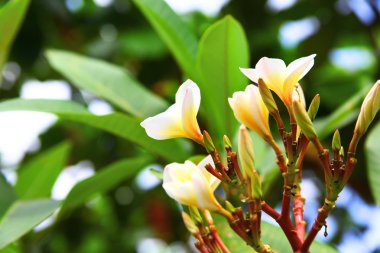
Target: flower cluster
{"x":194,"y":185}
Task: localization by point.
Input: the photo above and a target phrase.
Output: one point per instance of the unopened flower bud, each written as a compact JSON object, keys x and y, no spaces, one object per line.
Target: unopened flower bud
{"x":341,"y":151}
{"x":190,"y":225}
{"x":304,"y":121}
{"x":209,"y":145}
{"x":246,"y":151}
{"x":313,"y":108}
{"x":336,"y":141}
{"x":370,"y":107}
{"x":267,"y":97}
{"x":195,"y":215}
{"x":227,"y":143}
{"x":230,"y":207}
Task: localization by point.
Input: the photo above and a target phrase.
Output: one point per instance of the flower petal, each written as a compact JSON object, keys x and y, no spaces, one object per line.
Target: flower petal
{"x":205,"y":196}
{"x":184,"y":193}
{"x":273,"y":72}
{"x":259,"y":111}
{"x":188,"y":85}
{"x":164,"y":125}
{"x":212,"y":180}
{"x":296,"y":70}
{"x":190,"y":106}
{"x":252,"y":74}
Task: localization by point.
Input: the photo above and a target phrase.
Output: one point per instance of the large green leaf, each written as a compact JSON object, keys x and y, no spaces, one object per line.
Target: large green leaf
{"x":11,"y":17}
{"x":176,"y":35}
{"x":104,"y":180}
{"x":37,"y":177}
{"x":222,"y":50}
{"x":271,"y":235}
{"x":116,"y":123}
{"x":7,"y":195}
{"x":106,"y":81}
{"x":22,"y":216}
{"x":372,"y":154}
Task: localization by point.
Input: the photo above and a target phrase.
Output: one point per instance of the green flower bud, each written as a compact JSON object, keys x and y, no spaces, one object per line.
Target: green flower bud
{"x":230,"y":207}
{"x":314,"y":106}
{"x":246,"y":151}
{"x":303,"y":121}
{"x":267,"y":97}
{"x":189,"y":224}
{"x":336,"y":141}
{"x":195,"y":215}
{"x":370,"y":107}
{"x":209,"y":145}
{"x":227,"y":143}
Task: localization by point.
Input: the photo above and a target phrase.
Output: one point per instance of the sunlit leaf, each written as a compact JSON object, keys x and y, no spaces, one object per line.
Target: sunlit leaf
{"x":104,"y":180}
{"x":222,"y":50}
{"x":37,"y":177}
{"x":107,"y":81}
{"x":372,"y":154}
{"x":119,"y":124}
{"x":22,"y":216}
{"x":11,"y":17}
{"x":7,"y":195}
{"x":172,"y":30}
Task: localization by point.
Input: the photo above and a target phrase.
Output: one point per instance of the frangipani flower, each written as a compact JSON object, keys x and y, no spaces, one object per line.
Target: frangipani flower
{"x":180,"y":119}
{"x":280,"y":78}
{"x":191,"y":185}
{"x":250,"y":110}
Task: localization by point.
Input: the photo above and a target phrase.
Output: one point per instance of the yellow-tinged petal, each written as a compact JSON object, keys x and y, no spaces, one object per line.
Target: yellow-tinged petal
{"x":250,"y":110}
{"x":180,"y":119}
{"x":295,"y":71}
{"x":204,"y":194}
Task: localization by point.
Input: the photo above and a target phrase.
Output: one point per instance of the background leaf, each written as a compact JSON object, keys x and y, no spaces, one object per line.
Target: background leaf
{"x":11,"y":17}
{"x":37,"y":177}
{"x":222,"y":50}
{"x":103,"y":181}
{"x":116,"y":123}
{"x":107,"y":81}
{"x":372,"y":154}
{"x":173,"y":31}
{"x":22,"y":216}
{"x":7,"y":195}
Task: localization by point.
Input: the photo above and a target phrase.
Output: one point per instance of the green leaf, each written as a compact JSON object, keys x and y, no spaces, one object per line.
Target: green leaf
{"x":176,"y":35}
{"x":270,"y":234}
{"x":37,"y":177}
{"x":11,"y":17}
{"x":107,"y":81}
{"x":116,"y":123}
{"x":104,"y":180}
{"x":372,"y":154}
{"x":22,"y":216}
{"x":342,"y":116}
{"x":13,"y":248}
{"x":222,"y":50}
{"x":7,"y":195}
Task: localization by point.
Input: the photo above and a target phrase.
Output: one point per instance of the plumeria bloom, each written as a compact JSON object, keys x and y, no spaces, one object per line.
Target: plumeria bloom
{"x":250,"y":110}
{"x":180,"y":119}
{"x":280,"y":78}
{"x":192,"y":185}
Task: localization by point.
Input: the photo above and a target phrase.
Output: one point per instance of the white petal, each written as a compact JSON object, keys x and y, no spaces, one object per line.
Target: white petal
{"x":252,"y":74}
{"x":273,"y":72}
{"x":299,"y":68}
{"x":204,"y":194}
{"x":212,"y":180}
{"x":299,"y":96}
{"x":188,"y":85}
{"x":164,"y":125}
{"x":259,"y":112}
{"x":183,"y":193}
{"x":190,"y":106}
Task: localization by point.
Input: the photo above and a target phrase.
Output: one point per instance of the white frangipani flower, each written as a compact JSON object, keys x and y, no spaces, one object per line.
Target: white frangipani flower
{"x":280,"y":78}
{"x":180,"y":119}
{"x":191,"y":184}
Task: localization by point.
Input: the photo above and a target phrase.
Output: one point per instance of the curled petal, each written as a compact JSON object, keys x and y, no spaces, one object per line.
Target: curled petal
{"x":252,"y":74}
{"x":164,"y":125}
{"x":273,"y":72}
{"x":184,"y":193}
{"x":212,"y":181}
{"x":190,"y":108}
{"x":205,"y":196}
